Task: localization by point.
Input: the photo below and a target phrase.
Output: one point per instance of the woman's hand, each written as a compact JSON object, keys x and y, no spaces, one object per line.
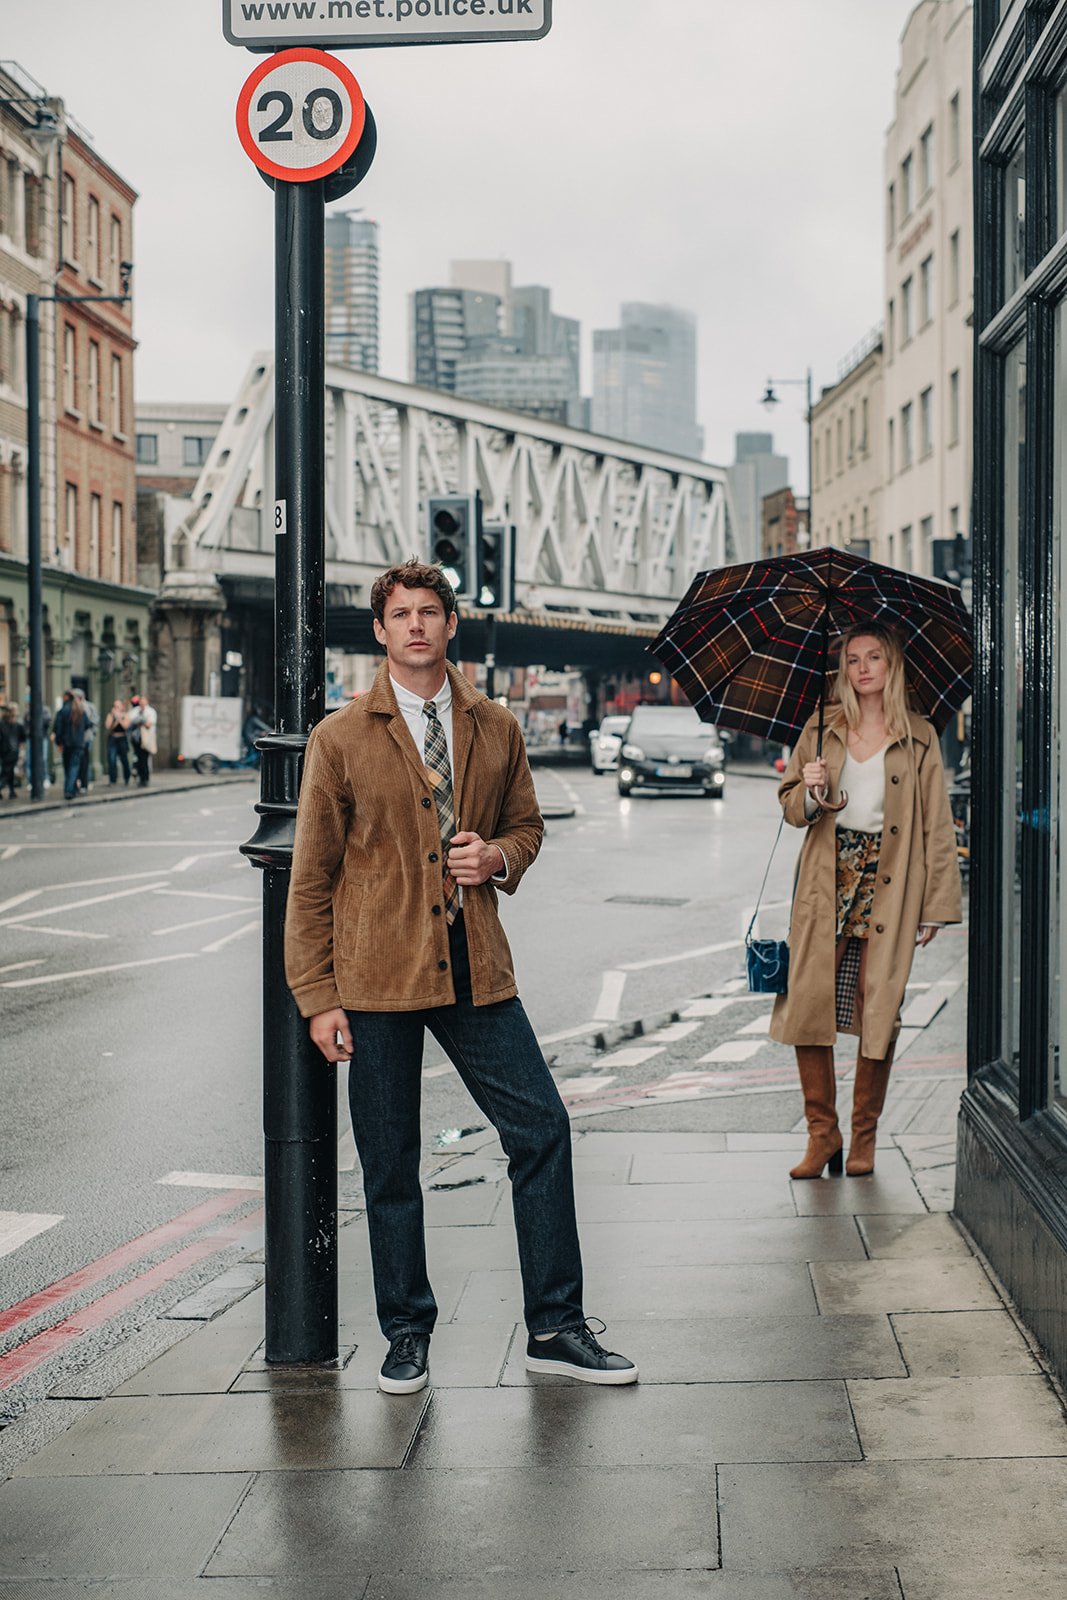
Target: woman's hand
{"x":927,"y":931}
{"x":816,"y":775}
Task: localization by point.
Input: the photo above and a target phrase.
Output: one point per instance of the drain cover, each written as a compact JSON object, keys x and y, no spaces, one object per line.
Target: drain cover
{"x":643,"y":900}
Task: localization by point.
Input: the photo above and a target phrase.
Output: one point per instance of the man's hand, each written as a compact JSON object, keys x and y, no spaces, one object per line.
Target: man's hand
{"x":471,"y":861}
{"x":325,"y":1030}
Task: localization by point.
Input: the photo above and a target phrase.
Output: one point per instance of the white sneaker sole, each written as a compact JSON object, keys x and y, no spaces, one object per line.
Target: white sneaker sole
{"x":565,"y":1369}
{"x":403,"y":1385}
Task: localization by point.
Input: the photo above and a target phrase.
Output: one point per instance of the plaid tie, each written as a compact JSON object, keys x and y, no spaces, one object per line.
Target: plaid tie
{"x":435,"y":755}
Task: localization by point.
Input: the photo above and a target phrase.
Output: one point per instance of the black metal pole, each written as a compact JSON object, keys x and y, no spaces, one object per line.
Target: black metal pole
{"x":490,"y":654}
{"x":299,"y":1088}
{"x":35,"y":739}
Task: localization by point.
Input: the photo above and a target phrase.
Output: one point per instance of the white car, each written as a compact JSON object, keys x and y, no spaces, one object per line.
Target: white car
{"x":605,"y":743}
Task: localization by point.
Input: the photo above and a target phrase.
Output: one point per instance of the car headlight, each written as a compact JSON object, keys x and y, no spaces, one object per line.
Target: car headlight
{"x":633,"y":752}
{"x":718,"y":778}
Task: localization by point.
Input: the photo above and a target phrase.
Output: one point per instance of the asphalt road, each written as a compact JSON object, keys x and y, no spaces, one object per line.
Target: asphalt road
{"x":130,"y":983}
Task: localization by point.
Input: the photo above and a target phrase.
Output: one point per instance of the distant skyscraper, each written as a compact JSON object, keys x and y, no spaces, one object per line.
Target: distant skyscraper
{"x":756,"y":473}
{"x":645,"y":380}
{"x":352,"y":290}
{"x":444,"y":324}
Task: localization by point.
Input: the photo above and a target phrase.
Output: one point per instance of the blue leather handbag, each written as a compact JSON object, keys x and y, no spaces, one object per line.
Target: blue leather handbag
{"x":767,"y":960}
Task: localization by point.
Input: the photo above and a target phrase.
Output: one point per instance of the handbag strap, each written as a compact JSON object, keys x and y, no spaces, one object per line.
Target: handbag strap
{"x":763,"y":885}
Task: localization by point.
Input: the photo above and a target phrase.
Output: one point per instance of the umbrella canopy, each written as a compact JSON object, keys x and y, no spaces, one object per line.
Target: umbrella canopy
{"x":750,"y":644}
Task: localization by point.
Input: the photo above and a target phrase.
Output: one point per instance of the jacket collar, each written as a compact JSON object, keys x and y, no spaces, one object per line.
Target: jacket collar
{"x":381,"y":699}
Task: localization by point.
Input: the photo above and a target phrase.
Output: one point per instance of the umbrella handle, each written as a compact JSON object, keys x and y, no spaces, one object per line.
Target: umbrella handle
{"x":823,"y":797}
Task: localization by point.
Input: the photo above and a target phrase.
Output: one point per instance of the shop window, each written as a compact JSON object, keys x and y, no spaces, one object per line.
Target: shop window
{"x":1057,"y":796}
{"x":1015,"y":221}
{"x":1012,"y":692}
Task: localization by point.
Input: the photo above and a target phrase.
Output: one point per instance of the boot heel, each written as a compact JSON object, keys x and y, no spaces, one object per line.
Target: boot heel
{"x":836,"y":1164}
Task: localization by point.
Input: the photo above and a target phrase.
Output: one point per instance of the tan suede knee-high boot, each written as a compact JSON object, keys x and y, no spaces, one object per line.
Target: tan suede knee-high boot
{"x":868,"y":1098}
{"x":815,"y":1063}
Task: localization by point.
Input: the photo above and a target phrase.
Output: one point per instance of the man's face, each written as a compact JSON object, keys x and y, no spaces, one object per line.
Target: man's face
{"x":416,"y":631}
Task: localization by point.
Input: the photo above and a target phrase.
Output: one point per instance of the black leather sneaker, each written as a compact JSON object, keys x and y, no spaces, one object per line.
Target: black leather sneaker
{"x":576,"y":1353}
{"x":406,"y":1367}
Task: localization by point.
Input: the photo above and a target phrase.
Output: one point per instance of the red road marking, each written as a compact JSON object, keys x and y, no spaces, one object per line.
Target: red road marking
{"x":143,"y":1245}
{"x":43,"y":1346}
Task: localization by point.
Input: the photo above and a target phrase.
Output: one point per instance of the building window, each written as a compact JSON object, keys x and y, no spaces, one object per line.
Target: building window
{"x":891,"y":211}
{"x":95,"y":507}
{"x":926,"y":291}
{"x":907,"y":186}
{"x":147,"y":449}
{"x":32,"y":200}
{"x":892,"y":452}
{"x":954,"y":268}
{"x":116,"y":395}
{"x":1015,"y":221}
{"x":70,"y":369}
{"x":926,"y":421}
{"x":116,"y":541}
{"x":115,"y":255}
{"x":905,"y":548}
{"x":92,"y":239}
{"x":890,"y":329}
{"x":68,"y":239}
{"x":906,"y":328}
{"x":195,"y":451}
{"x":892,"y":543}
{"x":926,"y":544}
{"x":851,"y":433}
{"x":864,"y":418}
{"x":954,"y":407}
{"x":906,"y":439}
{"x":926,"y":160}
{"x":954,"y":130}
{"x":815,"y":463}
{"x":94,"y":382}
{"x":840,"y":445}
{"x":70,"y":519}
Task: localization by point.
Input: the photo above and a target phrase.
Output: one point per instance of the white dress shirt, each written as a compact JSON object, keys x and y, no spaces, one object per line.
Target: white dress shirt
{"x":864,"y":783}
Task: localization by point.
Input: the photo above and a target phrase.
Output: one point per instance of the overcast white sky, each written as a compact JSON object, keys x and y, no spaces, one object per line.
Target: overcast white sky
{"x":721,"y":155}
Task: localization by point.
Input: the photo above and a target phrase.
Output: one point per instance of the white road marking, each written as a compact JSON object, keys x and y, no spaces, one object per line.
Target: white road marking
{"x":211,"y":1180}
{"x":437,"y":1072}
{"x":707,"y":1007}
{"x":673,"y":1031}
{"x":346,"y":1151}
{"x":734,"y":1050}
{"x":758,"y":1025}
{"x":200,"y":922}
{"x":74,"y":905}
{"x":190,"y":861}
{"x":12,"y":850}
{"x":65,"y":933}
{"x":124,"y":844}
{"x":92,"y":972}
{"x":608,"y":1005}
{"x":567,"y":1033}
{"x":16,"y":1227}
{"x":206,"y":894}
{"x":591,"y":1084}
{"x":18,"y":966}
{"x":210,"y":949}
{"x":633,"y":1057}
{"x":683,"y":955}
{"x":19,"y":899}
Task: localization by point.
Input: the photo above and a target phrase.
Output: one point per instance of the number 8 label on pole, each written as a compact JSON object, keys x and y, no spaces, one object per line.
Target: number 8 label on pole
{"x":300,"y":115}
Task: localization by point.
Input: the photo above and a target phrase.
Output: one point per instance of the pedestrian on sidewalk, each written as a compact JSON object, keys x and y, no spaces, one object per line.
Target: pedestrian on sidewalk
{"x":142,"y":726}
{"x":875,"y":879}
{"x":92,"y":721}
{"x":69,"y":730}
{"x":116,"y":726}
{"x":12,"y":735}
{"x":416,"y":807}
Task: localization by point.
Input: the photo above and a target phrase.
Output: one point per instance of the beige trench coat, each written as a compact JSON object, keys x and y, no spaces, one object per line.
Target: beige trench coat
{"x":365,"y":927}
{"x":918,"y":881}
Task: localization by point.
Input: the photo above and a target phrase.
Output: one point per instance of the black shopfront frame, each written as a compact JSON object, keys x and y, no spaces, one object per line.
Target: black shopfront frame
{"x":1012,"y":1144}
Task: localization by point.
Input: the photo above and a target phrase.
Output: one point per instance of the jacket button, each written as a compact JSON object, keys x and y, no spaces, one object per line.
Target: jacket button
{"x":887,"y":880}
{"x":442,"y":966}
{"x":433,"y":855}
{"x":436,"y":910}
{"x":426,"y":801}
{"x":880,"y":928}
{"x":896,"y":780}
{"x":894,"y":830}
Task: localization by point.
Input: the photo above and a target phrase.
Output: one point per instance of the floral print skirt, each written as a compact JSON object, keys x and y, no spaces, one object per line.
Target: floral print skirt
{"x":857,"y":874}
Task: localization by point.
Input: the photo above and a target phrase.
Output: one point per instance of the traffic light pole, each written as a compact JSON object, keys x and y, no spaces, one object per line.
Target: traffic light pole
{"x":299,"y":1088}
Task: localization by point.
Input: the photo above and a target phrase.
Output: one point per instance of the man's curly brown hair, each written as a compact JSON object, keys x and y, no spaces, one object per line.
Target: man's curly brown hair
{"x":411,"y":574}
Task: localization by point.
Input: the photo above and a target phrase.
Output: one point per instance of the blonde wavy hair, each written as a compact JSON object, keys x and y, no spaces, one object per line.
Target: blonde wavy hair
{"x":895,"y":698}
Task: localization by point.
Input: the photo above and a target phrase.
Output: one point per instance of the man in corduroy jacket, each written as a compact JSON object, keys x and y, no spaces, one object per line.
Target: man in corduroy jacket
{"x":416,"y":808}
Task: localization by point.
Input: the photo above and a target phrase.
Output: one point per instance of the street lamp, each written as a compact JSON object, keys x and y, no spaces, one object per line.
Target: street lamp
{"x":769,"y":401}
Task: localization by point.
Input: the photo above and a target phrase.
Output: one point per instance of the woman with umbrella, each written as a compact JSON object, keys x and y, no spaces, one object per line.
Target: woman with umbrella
{"x":877,"y":876}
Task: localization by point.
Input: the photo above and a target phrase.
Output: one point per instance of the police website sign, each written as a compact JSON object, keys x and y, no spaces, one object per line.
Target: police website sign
{"x":350,"y":24}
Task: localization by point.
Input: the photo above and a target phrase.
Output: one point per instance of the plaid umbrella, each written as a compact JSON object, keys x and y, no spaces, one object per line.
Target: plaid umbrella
{"x":750,"y":644}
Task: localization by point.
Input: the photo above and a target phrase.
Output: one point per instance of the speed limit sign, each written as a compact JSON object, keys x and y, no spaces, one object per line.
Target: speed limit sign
{"x":300,"y":115}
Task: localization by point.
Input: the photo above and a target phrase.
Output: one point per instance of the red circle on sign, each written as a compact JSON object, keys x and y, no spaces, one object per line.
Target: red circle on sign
{"x":324,"y":168}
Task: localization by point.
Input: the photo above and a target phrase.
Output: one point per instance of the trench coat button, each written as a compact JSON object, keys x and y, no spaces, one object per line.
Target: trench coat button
{"x":894,"y":830}
{"x":880,"y":928}
{"x":887,"y":880}
{"x":896,"y":780}
{"x":433,"y":855}
{"x":442,"y":966}
{"x":436,"y":910}
{"x":426,"y":801}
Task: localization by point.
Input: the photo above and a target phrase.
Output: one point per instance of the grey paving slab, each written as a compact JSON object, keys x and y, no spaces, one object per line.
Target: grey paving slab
{"x":594,"y":1140}
{"x":593,"y":1167}
{"x":963,"y":1519}
{"x":165,"y":1588}
{"x":114,"y":1527}
{"x":766,"y":1141}
{"x":750,"y":1239}
{"x":169,"y":1434}
{"x":537,"y":1520}
{"x":355,"y":1291}
{"x":906,"y":1236}
{"x":448,"y":1250}
{"x":775,"y":1289}
{"x":963,"y":1344}
{"x":459,"y":1207}
{"x":682,"y":1202}
{"x":883,"y":1192}
{"x":717,"y":1585}
{"x":917,"y":1419}
{"x":934,"y":1283}
{"x":462,"y":1356}
{"x":206,"y":1362}
{"x":736,"y":1166}
{"x":1021,"y":1583}
{"x":742,"y":1350}
{"x":694,"y":1425}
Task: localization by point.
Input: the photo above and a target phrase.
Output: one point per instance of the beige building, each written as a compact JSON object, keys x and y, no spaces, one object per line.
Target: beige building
{"x":848,"y":455}
{"x":928,"y":287}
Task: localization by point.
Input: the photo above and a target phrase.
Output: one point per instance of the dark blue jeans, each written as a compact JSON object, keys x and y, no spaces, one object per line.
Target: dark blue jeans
{"x":495,"y":1052}
{"x":117,"y":752}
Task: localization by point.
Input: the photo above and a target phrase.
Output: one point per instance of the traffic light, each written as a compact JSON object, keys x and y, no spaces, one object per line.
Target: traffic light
{"x":494,"y":589}
{"x":952,"y":559}
{"x":454,"y":522}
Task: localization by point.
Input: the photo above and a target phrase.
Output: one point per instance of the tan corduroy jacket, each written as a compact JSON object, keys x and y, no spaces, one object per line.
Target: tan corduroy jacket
{"x":365,"y":927}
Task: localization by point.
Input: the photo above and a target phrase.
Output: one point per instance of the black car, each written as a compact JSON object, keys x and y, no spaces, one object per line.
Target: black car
{"x":668,"y":747}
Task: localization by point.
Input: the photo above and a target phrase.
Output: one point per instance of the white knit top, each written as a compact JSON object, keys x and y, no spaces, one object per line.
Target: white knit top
{"x":864,"y":782}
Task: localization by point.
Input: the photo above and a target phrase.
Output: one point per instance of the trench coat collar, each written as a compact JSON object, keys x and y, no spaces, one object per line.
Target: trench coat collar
{"x":380,"y":700}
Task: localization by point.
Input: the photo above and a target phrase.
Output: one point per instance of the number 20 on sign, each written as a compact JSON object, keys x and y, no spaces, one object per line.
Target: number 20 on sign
{"x":300,"y":115}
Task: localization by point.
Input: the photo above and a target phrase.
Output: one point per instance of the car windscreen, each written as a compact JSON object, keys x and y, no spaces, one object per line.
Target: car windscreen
{"x":679,"y":720}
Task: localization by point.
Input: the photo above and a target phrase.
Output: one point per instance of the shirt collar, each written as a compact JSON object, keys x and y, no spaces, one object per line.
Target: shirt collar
{"x":413,"y":703}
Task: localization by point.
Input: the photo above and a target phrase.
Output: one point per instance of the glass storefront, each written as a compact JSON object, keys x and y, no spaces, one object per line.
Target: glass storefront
{"x":1057,"y":886}
{"x":1014,"y":487}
